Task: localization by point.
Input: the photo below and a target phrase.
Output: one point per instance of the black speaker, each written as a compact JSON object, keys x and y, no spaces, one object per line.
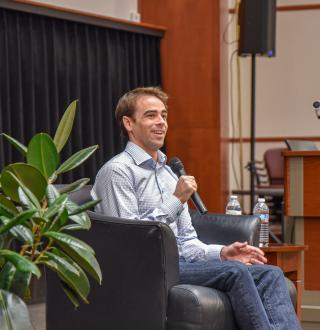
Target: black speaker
{"x":257,"y":21}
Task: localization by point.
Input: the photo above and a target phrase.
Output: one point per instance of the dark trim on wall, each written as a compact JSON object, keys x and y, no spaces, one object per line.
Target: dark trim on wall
{"x":299,"y":7}
{"x":38,"y":8}
{"x":290,"y":8}
{"x":274,"y":139}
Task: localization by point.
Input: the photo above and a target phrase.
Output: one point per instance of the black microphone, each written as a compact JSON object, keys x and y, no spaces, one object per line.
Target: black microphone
{"x":316,"y":108}
{"x":178,"y":168}
{"x":316,"y":104}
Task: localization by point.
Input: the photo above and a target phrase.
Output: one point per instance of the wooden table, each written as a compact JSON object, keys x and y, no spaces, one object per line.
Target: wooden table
{"x":288,"y":258}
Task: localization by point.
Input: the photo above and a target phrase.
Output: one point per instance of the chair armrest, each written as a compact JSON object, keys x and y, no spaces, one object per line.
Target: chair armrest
{"x":196,"y":307}
{"x":226,"y":229}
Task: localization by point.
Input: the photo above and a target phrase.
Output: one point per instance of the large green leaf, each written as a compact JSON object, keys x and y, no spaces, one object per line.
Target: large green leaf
{"x":14,"y":314}
{"x":52,"y":193}
{"x":22,"y":234}
{"x":20,"y":262}
{"x":42,"y":154}
{"x":71,"y":241}
{"x":26,"y":197}
{"x":86,"y":206}
{"x":20,"y":283}
{"x":6,"y":211}
{"x":69,"y":272}
{"x":65,"y":126}
{"x":6,"y":276}
{"x":17,"y":220}
{"x":57,"y":206}
{"x":27,"y":175}
{"x":74,"y":186}
{"x":71,"y":294}
{"x":6,"y":238}
{"x":18,"y":145}
{"x":81,"y":218}
{"x":77,"y":159}
{"x":9,"y":206}
{"x":79,"y":251}
{"x":73,"y":226}
{"x":59,"y":220}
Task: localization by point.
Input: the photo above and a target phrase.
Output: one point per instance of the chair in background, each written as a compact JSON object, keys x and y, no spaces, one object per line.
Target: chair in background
{"x":296,"y":145}
{"x":274,"y":164}
{"x":269,"y":175}
{"x":269,"y":172}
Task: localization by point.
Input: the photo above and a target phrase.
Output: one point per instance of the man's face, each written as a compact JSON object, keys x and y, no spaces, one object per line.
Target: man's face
{"x":148,"y":127}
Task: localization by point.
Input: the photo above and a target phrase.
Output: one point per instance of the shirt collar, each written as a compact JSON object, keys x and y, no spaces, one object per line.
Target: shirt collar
{"x":141,"y":156}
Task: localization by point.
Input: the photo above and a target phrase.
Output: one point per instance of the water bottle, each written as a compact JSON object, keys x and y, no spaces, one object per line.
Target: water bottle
{"x":233,"y":207}
{"x":261,"y":209}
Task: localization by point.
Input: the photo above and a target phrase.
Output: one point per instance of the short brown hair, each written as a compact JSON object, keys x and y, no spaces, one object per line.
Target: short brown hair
{"x":127,"y":103}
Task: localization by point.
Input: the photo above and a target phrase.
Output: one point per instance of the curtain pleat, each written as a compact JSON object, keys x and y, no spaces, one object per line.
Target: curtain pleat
{"x":46,"y":63}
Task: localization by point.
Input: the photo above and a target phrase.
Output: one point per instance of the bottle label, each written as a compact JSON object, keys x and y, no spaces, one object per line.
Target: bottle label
{"x":264,"y":217}
{"x":234,"y":212}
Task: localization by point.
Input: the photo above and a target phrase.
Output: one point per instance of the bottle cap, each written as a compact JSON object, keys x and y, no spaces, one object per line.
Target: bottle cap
{"x":261,"y":200}
{"x":233,"y":197}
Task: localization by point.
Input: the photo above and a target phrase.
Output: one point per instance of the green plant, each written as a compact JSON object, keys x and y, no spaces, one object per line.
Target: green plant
{"x":40,"y":217}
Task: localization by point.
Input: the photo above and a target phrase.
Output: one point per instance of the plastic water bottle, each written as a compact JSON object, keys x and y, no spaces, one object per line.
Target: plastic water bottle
{"x":233,"y":207}
{"x":261,"y":209}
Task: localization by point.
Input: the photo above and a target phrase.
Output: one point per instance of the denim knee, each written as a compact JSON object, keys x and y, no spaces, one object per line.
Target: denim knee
{"x":275,"y":270}
{"x":266,"y":267}
{"x":237,"y":272}
{"x":263,"y":274}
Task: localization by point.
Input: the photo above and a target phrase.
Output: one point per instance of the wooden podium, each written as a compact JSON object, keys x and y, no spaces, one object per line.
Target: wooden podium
{"x":302,"y":202}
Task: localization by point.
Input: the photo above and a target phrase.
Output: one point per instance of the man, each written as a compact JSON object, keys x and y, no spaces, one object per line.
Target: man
{"x":137,"y":184}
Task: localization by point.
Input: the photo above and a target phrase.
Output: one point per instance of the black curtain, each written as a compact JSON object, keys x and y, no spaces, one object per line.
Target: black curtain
{"x":45,"y":63}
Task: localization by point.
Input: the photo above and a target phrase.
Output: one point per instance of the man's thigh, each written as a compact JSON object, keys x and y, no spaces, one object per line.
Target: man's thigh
{"x":215,"y":274}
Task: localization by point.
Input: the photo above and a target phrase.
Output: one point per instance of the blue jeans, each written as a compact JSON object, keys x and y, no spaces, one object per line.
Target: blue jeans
{"x":258,"y":293}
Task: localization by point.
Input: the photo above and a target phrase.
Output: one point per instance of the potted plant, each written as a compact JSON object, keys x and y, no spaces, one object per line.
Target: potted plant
{"x":41,"y":218}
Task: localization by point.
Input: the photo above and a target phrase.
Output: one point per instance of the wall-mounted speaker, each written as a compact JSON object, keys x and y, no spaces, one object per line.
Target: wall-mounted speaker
{"x":257,"y":21}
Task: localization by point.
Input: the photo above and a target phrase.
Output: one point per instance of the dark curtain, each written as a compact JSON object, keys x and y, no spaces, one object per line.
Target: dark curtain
{"x":45,"y":63}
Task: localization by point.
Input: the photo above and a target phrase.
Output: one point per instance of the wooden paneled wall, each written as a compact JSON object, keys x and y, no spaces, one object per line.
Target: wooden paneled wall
{"x":194,"y":73}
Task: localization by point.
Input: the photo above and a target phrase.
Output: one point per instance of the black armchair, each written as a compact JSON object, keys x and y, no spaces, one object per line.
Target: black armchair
{"x":140,"y":290}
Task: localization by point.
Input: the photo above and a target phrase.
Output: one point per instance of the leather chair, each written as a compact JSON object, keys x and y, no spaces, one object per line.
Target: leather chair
{"x":140,"y":290}
{"x":270,"y":176}
{"x":274,"y":163}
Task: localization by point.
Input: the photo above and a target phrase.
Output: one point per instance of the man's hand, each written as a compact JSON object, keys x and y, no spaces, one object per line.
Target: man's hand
{"x":186,"y":186}
{"x":244,"y":253}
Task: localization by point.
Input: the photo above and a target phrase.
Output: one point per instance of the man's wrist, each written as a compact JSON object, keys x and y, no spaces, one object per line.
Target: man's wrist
{"x":223,"y":254}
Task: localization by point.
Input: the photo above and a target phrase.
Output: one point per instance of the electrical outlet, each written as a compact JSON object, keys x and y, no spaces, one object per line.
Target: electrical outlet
{"x":134,"y":16}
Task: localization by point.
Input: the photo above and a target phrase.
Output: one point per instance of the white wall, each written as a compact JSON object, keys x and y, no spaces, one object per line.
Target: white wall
{"x":286,"y":85}
{"x":114,"y":8}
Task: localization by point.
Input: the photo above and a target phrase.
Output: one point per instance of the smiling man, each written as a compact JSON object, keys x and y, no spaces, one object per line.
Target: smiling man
{"x":137,"y":184}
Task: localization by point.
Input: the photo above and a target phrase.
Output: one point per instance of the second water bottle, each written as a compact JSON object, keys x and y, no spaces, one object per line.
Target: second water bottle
{"x":261,"y":209}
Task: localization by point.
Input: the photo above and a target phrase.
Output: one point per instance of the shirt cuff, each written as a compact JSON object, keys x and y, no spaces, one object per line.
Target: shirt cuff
{"x":173,"y":207}
{"x":213,"y":252}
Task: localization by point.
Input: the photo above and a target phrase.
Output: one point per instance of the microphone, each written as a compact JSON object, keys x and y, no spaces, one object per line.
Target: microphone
{"x":177,"y":167}
{"x":316,"y":108}
{"x":316,"y":104}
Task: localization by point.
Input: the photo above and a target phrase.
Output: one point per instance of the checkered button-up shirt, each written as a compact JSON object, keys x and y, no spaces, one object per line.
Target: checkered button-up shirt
{"x":134,"y":186}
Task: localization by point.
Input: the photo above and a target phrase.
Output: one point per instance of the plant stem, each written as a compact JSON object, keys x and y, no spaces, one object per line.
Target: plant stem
{"x":24,"y":249}
{"x":44,"y":251}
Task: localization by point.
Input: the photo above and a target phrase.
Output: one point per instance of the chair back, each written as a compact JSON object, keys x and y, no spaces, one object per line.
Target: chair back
{"x":274,"y":164}
{"x":82,"y":195}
